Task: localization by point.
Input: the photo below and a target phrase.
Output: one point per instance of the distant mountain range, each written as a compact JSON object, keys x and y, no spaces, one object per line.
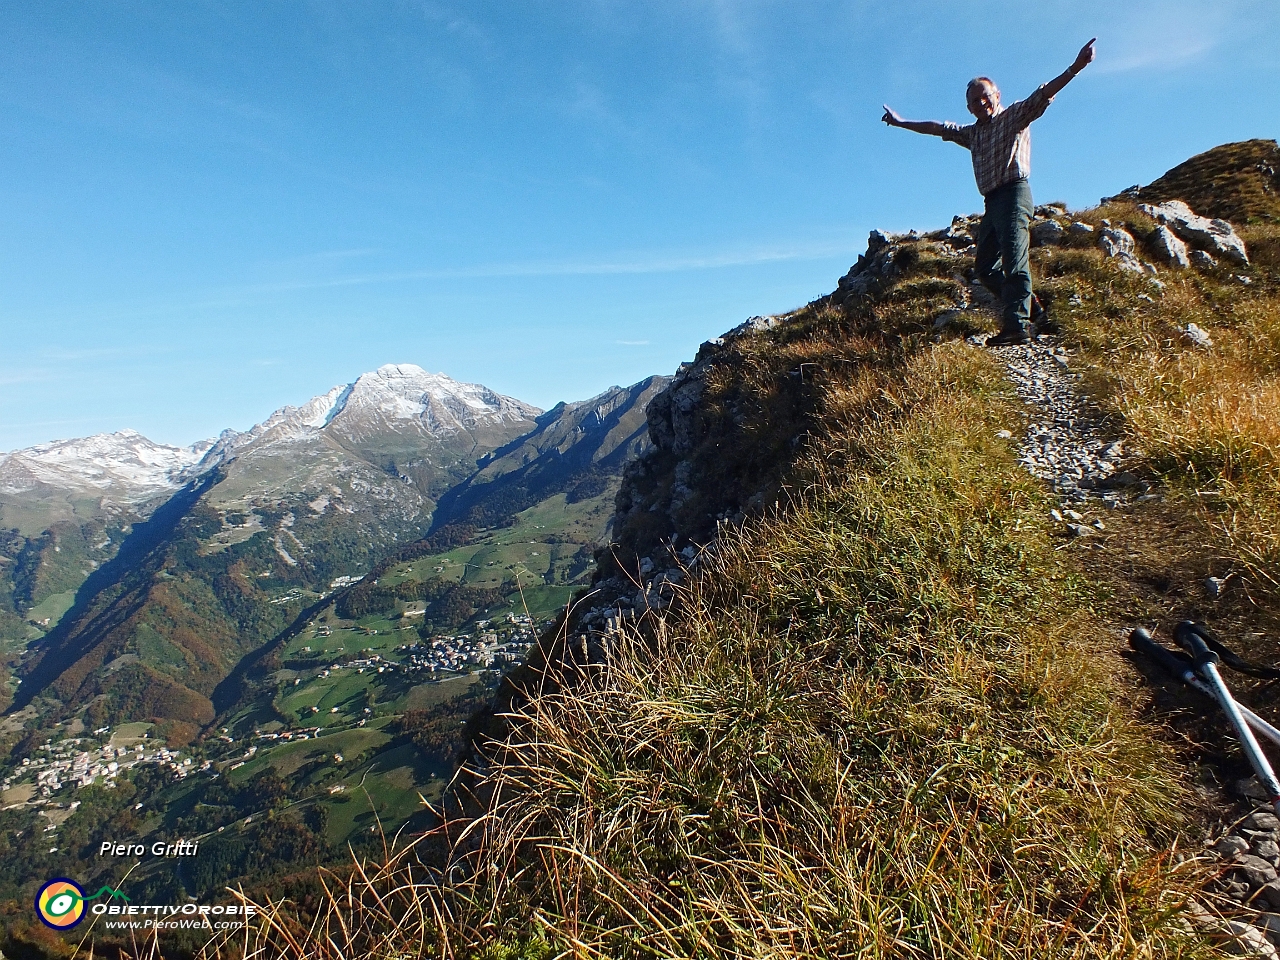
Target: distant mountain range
{"x":134,"y":576}
{"x":418,"y":427}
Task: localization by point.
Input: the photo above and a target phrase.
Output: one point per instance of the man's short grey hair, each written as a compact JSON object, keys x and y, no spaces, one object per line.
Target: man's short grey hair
{"x":980,"y":82}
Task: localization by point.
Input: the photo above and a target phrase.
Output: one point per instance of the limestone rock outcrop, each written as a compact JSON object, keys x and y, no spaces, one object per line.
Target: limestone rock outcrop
{"x":873,"y":269}
{"x":1216,"y":237}
{"x":1118,"y":243}
{"x":1170,"y":248}
{"x":1046,"y":233}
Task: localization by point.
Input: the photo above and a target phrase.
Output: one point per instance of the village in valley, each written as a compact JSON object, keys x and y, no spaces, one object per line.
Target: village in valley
{"x":78,"y":762}
{"x":407,"y":672}
{"x":350,"y":725}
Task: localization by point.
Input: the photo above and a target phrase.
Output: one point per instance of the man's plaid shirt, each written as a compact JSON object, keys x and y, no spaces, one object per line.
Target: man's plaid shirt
{"x":1001,"y":146}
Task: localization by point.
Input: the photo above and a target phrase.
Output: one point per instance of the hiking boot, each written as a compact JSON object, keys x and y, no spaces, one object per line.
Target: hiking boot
{"x":1007,"y":338}
{"x":1041,"y":322}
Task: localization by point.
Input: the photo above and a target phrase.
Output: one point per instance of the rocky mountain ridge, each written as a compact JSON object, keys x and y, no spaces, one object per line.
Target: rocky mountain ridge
{"x":387,"y":444}
{"x":400,"y":398}
{"x":126,"y":467}
{"x":860,"y":483}
{"x":700,"y":473}
{"x":576,"y":448}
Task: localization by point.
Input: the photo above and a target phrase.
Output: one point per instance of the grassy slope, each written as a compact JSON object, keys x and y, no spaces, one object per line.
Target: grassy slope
{"x":890,"y":718}
{"x":1207,"y":427}
{"x":876,"y":725}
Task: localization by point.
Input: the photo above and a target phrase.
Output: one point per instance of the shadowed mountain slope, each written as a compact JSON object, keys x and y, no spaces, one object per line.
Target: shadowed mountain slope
{"x":576,"y":448}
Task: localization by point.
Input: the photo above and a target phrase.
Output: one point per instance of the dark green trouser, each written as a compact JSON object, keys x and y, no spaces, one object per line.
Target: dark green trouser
{"x":1003,"y":257}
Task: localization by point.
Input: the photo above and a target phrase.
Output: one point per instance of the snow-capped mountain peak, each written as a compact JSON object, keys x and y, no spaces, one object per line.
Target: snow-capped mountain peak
{"x":124,"y":464}
{"x":442,"y":405}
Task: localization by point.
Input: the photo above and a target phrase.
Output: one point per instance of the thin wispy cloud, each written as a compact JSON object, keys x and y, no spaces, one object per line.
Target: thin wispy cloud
{"x":457,"y":25}
{"x":731,"y":31}
{"x":640,"y":264}
{"x":13,"y":378}
{"x":637,"y":264}
{"x":345,"y":254}
{"x":63,"y":355}
{"x":639,"y":131}
{"x":319,"y":257}
{"x":145,"y":97}
{"x":1180,"y":38}
{"x":1160,"y":59}
{"x":27,"y":424}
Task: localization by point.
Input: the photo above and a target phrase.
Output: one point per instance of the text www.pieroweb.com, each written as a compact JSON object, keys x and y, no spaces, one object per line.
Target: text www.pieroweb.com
{"x":188,"y":916}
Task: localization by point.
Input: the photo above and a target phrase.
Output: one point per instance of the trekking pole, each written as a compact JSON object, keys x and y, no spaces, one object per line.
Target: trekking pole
{"x":1174,"y":663}
{"x":1207,"y":663}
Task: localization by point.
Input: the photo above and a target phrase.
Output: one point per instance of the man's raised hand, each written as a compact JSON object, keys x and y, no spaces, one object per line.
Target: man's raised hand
{"x":1084,"y":57}
{"x":891,"y":118}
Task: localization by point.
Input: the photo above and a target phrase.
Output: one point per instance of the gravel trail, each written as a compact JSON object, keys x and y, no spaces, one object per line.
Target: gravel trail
{"x":1064,"y":444}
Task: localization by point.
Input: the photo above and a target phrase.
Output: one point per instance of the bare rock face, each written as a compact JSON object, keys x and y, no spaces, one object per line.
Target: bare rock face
{"x":672,"y":425}
{"x":873,"y":269}
{"x":960,"y":234}
{"x":1215,"y":236}
{"x":1046,"y":233}
{"x":1169,"y":248}
{"x":1118,"y":243}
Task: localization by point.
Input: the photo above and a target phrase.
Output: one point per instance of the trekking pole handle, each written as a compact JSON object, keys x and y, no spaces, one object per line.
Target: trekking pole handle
{"x":1194,"y":644}
{"x":1140,"y":640}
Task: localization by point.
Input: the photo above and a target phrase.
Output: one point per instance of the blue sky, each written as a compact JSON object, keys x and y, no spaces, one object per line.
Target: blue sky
{"x":210,"y":210}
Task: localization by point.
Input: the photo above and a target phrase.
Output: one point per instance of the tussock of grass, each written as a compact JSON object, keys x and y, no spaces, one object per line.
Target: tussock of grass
{"x":873,"y":728}
{"x":1235,"y":181}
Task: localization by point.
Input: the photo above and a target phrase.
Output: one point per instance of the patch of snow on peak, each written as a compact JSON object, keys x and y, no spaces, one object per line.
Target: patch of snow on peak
{"x":285,"y":425}
{"x":124,"y":462}
{"x":389,"y":371}
{"x":318,"y":411}
{"x":376,"y":401}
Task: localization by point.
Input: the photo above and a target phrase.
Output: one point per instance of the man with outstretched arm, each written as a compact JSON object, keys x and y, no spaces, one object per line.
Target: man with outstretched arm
{"x":999,"y":141}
